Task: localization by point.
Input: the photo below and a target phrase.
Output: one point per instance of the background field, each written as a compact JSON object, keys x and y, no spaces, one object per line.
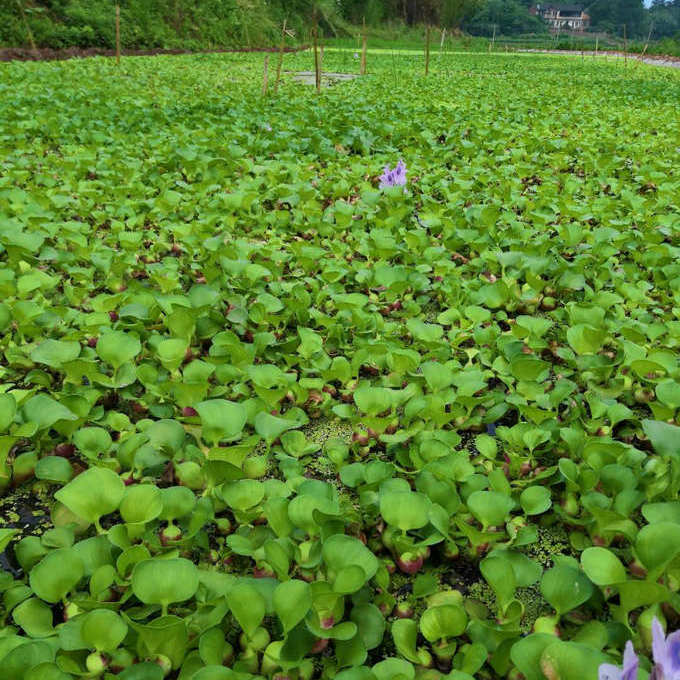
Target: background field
{"x":209,"y":24}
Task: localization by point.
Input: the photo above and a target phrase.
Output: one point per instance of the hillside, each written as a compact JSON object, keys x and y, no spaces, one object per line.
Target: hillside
{"x":188,"y":24}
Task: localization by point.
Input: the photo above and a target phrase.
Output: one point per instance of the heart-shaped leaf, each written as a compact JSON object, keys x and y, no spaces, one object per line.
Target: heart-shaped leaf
{"x":93,"y":494}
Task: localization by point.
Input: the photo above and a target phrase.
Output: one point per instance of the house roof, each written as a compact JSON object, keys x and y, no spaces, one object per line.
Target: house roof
{"x":562,"y":8}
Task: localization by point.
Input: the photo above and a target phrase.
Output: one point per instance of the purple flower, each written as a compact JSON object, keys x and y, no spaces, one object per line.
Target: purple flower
{"x":666,"y":652}
{"x":393,"y":178}
{"x":630,"y":666}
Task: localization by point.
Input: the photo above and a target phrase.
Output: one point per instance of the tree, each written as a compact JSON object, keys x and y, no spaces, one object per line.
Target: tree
{"x":507,"y":16}
{"x":612,"y":15}
{"x":454,"y":12}
{"x":449,"y":13}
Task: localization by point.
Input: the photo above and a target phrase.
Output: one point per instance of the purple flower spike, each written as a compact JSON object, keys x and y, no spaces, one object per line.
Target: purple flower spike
{"x":630,"y":666}
{"x":666,"y":651}
{"x":393,"y":178}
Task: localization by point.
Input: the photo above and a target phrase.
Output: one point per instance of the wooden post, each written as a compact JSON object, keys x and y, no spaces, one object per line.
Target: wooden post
{"x":321,"y":54}
{"x":597,"y":44}
{"x":427,"y":50}
{"x":29,"y":32}
{"x":441,"y":44}
{"x":317,"y":65}
{"x":118,"y":34}
{"x":282,"y":49}
{"x":493,"y":39}
{"x":649,"y":35}
{"x":265,"y":77}
{"x":625,"y":47}
{"x":364,"y":43}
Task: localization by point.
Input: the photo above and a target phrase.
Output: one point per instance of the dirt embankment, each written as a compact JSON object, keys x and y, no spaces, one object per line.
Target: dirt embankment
{"x":654,"y":59}
{"x":49,"y":54}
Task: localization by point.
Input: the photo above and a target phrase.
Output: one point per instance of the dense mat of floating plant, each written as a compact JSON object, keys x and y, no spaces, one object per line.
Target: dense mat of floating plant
{"x":290,"y":424}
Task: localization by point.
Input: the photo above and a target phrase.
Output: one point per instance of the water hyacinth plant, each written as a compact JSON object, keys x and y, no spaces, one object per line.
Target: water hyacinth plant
{"x":260,"y":420}
{"x":629,"y":671}
{"x":393,"y":177}
{"x":666,"y":652}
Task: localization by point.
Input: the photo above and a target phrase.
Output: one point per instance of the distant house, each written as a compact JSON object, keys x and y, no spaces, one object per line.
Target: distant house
{"x":563,"y":17}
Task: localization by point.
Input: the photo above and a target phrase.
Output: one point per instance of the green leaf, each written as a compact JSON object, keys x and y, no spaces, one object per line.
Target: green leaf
{"x":242,"y":494}
{"x":340,"y":551}
{"x":55,"y":353}
{"x":172,"y":352}
{"x":657,"y":545}
{"x":491,"y":508}
{"x":526,"y":654}
{"x":664,"y":437}
{"x":565,"y":588}
{"x":292,"y":600}
{"x":35,"y":617}
{"x":118,"y":347}
{"x":141,"y":503}
{"x":535,"y":500}
{"x":668,"y":392}
{"x":22,"y":659}
{"x":393,"y":669}
{"x":54,"y":469}
{"x":45,"y":411}
{"x":8,"y":409}
{"x":585,"y":339}
{"x":349,"y":579}
{"x":487,"y":446}
{"x":405,"y":634}
{"x":248,"y":607}
{"x":444,"y":621}
{"x":56,"y":574}
{"x":103,"y":630}
{"x":602,"y":567}
{"x":93,"y":494}
{"x":371,"y":624}
{"x":162,"y":581}
{"x":571,"y":661}
{"x":405,"y":510}
{"x":146,"y":670}
{"x":373,"y":400}
{"x":222,"y":420}
{"x":270,"y":427}
{"x":92,"y":441}
{"x":6,"y":535}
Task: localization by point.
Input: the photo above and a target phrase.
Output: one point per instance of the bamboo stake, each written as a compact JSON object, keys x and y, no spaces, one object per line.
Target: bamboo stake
{"x":493,"y":39}
{"x":597,"y":44}
{"x":321,"y":54}
{"x":625,"y":46}
{"x":265,"y":77}
{"x":441,"y":44}
{"x":649,"y":35}
{"x":281,"y":51}
{"x":427,"y":50}
{"x":118,"y":35}
{"x":317,"y":65}
{"x":29,"y":32}
{"x":364,"y":42}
